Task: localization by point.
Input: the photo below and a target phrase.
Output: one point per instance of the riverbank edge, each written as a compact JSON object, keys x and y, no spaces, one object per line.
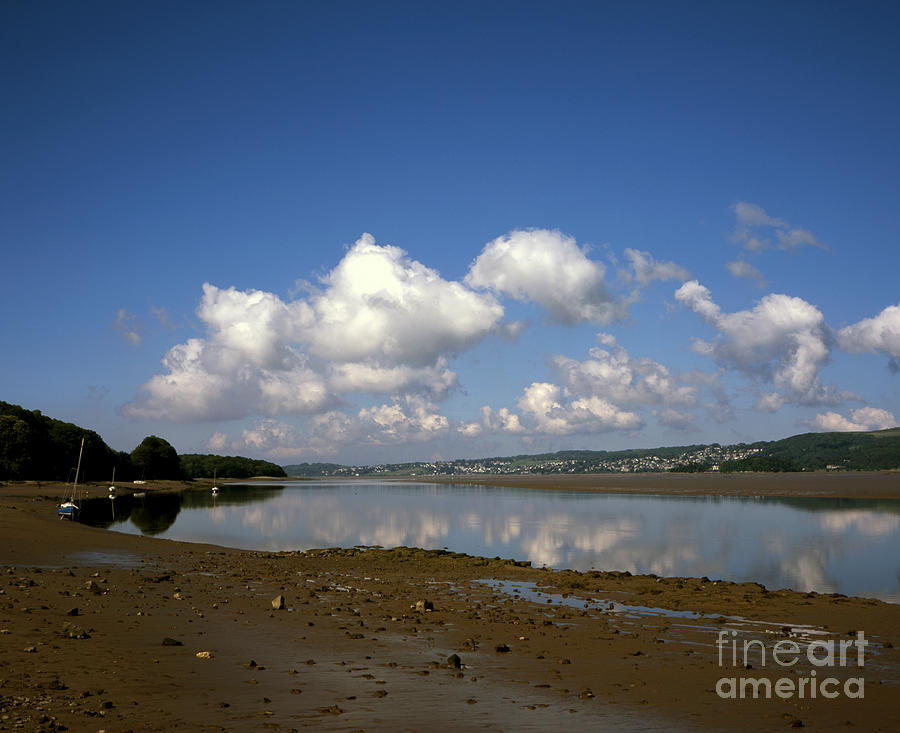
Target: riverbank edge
{"x":825,"y":484}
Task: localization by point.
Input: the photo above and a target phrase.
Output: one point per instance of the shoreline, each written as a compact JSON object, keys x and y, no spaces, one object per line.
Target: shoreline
{"x":350,"y":650}
{"x":825,"y":484}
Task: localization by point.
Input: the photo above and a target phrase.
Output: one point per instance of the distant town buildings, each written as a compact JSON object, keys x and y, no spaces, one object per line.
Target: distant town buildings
{"x":644,"y":461}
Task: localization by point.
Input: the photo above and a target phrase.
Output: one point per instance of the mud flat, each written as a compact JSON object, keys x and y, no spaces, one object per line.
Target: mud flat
{"x":108,"y":631}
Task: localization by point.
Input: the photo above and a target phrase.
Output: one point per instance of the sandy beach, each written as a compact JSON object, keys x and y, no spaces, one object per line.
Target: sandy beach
{"x":108,"y":631}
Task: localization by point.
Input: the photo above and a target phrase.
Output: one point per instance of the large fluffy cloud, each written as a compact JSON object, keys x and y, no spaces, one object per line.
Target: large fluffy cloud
{"x":380,"y":305}
{"x":783,"y":340}
{"x":549,"y":268}
{"x":205,"y":380}
{"x":881,"y":333}
{"x":381,"y":323}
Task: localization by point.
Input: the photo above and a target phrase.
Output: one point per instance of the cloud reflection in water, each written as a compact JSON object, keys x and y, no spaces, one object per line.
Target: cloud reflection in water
{"x":815,"y":544}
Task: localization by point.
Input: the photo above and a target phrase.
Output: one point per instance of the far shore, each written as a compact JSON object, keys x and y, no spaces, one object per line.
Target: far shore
{"x":835,"y":484}
{"x":832,"y":484}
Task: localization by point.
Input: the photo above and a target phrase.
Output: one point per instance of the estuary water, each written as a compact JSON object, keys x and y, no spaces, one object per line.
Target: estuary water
{"x":825,"y":545}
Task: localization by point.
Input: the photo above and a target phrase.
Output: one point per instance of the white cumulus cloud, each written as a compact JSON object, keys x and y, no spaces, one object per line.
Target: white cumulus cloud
{"x":380,"y":305}
{"x":553,"y":414}
{"x":271,"y":438}
{"x":469,"y":429}
{"x":381,"y":323}
{"x":861,"y":419}
{"x":783,"y":340}
{"x":612,"y":374}
{"x":593,"y":395}
{"x":549,"y":268}
{"x":217,"y":442}
{"x":413,"y":419}
{"x":881,"y":333}
{"x":408,"y":418}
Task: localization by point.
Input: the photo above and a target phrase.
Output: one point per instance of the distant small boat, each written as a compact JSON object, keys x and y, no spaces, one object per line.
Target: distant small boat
{"x":112,"y":486}
{"x":215,"y":489}
{"x":69,"y":508}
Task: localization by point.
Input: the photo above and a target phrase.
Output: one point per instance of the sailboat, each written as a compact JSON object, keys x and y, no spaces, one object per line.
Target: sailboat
{"x":69,"y":508}
{"x":215,"y":489}
{"x":112,"y":486}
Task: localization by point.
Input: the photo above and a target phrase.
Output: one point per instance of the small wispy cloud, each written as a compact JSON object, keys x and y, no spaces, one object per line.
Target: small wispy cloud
{"x":128,"y":325}
{"x":162,"y":315}
{"x":645,"y":269}
{"x":98,"y":393}
{"x":755,"y":231}
{"x":742,"y":268}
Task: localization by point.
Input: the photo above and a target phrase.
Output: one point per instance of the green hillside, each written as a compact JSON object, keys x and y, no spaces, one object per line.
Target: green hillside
{"x":872,"y":451}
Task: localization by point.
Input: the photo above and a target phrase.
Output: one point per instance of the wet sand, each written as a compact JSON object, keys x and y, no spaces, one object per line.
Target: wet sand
{"x":108,"y":631}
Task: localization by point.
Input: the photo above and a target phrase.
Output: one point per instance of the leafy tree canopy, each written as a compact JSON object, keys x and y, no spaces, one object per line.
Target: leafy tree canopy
{"x":195,"y":465}
{"x":155,"y":458}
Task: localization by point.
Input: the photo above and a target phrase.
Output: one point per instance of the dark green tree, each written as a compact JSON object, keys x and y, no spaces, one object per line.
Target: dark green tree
{"x":16,"y":437}
{"x":155,"y":458}
{"x":196,"y":465}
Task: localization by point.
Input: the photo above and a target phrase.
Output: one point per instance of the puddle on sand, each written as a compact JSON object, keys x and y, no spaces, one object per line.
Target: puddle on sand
{"x":596,"y":607}
{"x":111,"y":557}
{"x":685,"y":624}
{"x":117,"y":559}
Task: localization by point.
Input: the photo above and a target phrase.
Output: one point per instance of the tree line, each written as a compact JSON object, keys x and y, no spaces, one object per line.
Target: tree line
{"x":34,"y":446}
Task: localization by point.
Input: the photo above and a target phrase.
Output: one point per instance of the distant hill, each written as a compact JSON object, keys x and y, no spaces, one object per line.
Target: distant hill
{"x":870,"y":451}
{"x":314,"y":469}
{"x":862,"y":451}
{"x":34,"y":446}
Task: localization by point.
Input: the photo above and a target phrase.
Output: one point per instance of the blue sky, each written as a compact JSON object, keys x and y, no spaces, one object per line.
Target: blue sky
{"x":362,"y":232}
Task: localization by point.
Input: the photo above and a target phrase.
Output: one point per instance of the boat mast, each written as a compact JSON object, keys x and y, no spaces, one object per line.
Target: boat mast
{"x":75,"y":487}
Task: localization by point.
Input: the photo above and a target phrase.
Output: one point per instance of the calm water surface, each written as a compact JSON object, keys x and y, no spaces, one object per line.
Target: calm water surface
{"x":826,"y":545}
